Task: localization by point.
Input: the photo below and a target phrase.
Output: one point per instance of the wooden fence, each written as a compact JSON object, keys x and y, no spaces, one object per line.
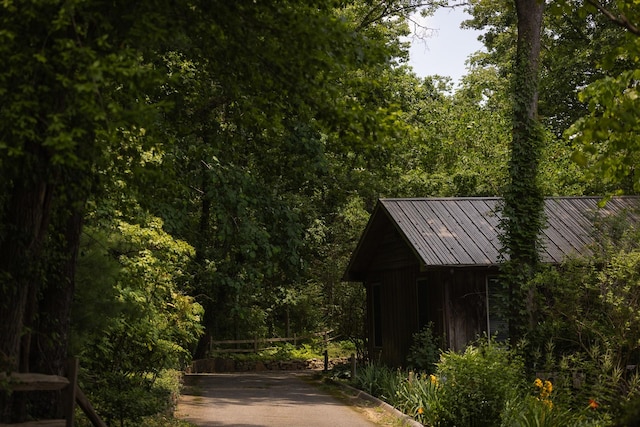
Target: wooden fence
{"x":71,"y":395}
{"x":257,"y":344}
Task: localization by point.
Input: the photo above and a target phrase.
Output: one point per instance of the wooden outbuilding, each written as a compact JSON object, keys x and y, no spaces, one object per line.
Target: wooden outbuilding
{"x":437,"y":260}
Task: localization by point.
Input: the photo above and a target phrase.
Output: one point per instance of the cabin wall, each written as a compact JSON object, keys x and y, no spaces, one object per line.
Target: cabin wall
{"x":401,"y":298}
{"x":454,"y":300}
{"x":398,"y":315}
{"x":465,"y":305}
{"x":394,"y":270}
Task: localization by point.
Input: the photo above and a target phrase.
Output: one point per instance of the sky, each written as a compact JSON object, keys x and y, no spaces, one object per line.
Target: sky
{"x":447,"y":46}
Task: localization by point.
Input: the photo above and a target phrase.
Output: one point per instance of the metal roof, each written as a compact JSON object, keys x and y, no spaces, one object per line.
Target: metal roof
{"x":464,"y":231}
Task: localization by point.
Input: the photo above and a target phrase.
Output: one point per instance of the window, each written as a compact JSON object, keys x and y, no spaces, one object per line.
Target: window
{"x":497,"y":324}
{"x":376,"y":301}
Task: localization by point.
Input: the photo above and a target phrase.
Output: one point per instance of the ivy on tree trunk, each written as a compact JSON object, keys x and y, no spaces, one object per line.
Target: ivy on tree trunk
{"x":523,"y":210}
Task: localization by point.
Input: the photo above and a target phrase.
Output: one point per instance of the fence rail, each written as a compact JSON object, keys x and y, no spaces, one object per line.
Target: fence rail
{"x":258,"y":343}
{"x":70,"y":395}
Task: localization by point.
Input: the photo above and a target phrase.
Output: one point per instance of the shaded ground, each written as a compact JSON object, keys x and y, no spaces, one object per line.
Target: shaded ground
{"x":267,"y":399}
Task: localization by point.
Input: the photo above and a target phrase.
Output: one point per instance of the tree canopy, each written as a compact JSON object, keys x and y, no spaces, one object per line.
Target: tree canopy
{"x":202,"y":170}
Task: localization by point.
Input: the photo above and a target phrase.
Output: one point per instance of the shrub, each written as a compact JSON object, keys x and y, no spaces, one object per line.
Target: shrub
{"x":127,"y":400}
{"x":419,"y":397}
{"x":414,"y":395}
{"x":378,"y":380}
{"x":476,"y":385}
{"x":529,"y":411}
{"x":594,"y":305}
{"x":146,"y":323}
{"x":425,"y":350}
{"x":343,"y":348}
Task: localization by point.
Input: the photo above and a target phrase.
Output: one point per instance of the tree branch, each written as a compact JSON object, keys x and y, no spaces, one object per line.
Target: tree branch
{"x":620,"y":20}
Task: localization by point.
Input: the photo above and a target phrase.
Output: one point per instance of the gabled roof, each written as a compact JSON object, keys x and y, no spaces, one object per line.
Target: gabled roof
{"x":464,"y":231}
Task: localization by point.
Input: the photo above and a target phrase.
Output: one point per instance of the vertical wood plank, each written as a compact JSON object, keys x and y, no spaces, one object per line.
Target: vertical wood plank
{"x":68,"y":404}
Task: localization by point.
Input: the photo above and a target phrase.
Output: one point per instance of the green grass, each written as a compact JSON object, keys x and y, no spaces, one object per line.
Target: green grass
{"x":287,"y":351}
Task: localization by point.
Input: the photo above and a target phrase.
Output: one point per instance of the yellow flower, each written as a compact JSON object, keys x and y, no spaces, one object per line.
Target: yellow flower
{"x":420,"y":410}
{"x":538,"y":383}
{"x":433,"y":379}
{"x":548,"y":387}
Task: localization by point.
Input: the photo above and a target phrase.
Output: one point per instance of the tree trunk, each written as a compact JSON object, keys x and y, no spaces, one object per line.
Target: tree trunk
{"x":204,"y":236}
{"x":524,"y":202}
{"x":25,"y":220}
{"x":51,"y":327}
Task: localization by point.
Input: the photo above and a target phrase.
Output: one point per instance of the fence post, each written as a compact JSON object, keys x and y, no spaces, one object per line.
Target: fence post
{"x":68,"y":395}
{"x":353,"y":366}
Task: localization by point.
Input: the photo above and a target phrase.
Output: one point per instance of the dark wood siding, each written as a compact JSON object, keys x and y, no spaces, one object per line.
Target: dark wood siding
{"x":398,"y":311}
{"x":465,"y":306}
{"x":393,"y":253}
{"x":457,"y":303}
{"x":454,"y":301}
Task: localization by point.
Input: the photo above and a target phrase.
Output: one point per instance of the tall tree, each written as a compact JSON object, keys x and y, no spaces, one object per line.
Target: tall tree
{"x":522,"y":218}
{"x":76,"y":80}
{"x":84,"y":74}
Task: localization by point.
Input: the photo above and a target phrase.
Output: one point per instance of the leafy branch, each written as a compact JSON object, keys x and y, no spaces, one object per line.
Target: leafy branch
{"x":620,"y":19}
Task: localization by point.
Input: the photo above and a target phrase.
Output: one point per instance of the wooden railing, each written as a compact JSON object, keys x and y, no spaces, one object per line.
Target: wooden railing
{"x":259,"y":343}
{"x":71,"y":395}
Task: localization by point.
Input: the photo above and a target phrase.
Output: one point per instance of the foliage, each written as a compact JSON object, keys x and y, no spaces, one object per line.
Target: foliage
{"x":607,"y":138}
{"x":529,"y":411}
{"x":476,"y":384}
{"x":469,"y":388}
{"x":589,"y":325}
{"x":163,"y":398}
{"x":288,"y":351}
{"x":419,"y":397}
{"x":540,"y":407}
{"x":82,"y":70}
{"x":522,"y":217}
{"x":164,"y":421}
{"x":416,"y":395}
{"x":147,"y":326}
{"x":378,"y":380}
{"x":424,"y":352}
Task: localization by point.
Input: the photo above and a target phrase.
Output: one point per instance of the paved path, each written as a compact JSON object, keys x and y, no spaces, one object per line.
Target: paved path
{"x":262,"y":399}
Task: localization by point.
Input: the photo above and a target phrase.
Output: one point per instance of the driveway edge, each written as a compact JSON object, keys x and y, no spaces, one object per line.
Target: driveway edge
{"x":359,"y":394}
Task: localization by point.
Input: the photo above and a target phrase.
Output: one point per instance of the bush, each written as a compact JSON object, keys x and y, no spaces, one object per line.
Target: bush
{"x":129,"y":401}
{"x":378,"y":380}
{"x":529,"y":411}
{"x":146,"y":323}
{"x":476,"y":385}
{"x":594,"y":305}
{"x":414,"y":395}
{"x":419,"y":397}
{"x":425,"y":350}
{"x":343,"y":348}
{"x":288,"y":351}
